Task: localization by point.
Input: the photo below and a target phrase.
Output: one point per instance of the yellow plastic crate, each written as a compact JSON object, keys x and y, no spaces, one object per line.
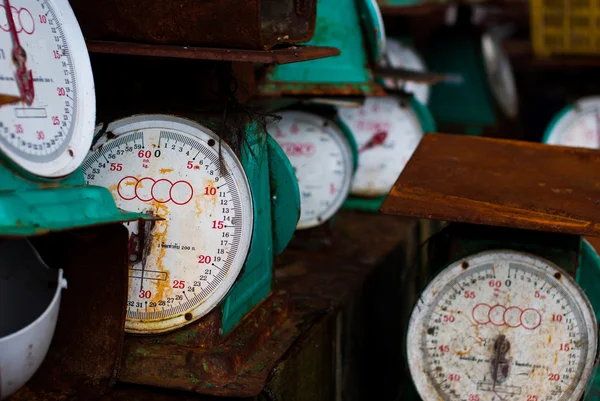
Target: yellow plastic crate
{"x":565,"y":26}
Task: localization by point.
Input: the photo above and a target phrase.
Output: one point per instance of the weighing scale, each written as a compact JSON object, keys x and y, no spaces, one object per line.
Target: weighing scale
{"x":323,"y":154}
{"x":195,"y":274}
{"x":503,"y":316}
{"x":47,"y":115}
{"x":46,"y":127}
{"x":483,"y":91}
{"x":577,"y":125}
{"x":185,"y":265}
{"x":387,"y":132}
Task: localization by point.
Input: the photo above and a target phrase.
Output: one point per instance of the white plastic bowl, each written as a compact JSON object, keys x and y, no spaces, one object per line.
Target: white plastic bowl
{"x":22,"y":278}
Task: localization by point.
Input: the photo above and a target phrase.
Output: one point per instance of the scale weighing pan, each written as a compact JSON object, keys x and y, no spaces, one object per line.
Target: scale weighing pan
{"x":500,"y":182}
{"x":30,"y":295}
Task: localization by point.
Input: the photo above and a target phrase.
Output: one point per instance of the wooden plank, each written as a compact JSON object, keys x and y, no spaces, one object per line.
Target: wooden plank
{"x":500,"y":182}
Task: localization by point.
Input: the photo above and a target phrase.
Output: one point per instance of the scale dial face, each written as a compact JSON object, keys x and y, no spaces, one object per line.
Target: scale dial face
{"x":322,"y":160}
{"x":387,"y":135}
{"x":169,"y":167}
{"x":402,"y":56}
{"x":500,"y":76}
{"x":50,"y":137}
{"x":502,"y":325}
{"x":578,"y":127}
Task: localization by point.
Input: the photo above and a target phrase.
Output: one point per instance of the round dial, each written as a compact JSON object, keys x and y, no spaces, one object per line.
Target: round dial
{"x":500,"y":76}
{"x":502,"y":325}
{"x":46,"y":129}
{"x":402,"y":56}
{"x":322,"y":160}
{"x":578,"y":127}
{"x":387,"y":135}
{"x":182,"y":266}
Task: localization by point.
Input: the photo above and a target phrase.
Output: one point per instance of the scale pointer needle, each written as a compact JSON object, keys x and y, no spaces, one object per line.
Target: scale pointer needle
{"x":24,"y":76}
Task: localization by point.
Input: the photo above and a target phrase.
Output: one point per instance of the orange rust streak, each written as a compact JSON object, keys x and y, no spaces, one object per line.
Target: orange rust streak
{"x":165,"y":170}
{"x":163,"y":288}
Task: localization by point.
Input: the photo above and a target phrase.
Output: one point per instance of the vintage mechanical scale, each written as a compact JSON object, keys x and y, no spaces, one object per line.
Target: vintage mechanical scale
{"x":179,"y":170}
{"x":482,"y":93}
{"x":503,"y":317}
{"x":209,"y":261}
{"x":324,"y":157}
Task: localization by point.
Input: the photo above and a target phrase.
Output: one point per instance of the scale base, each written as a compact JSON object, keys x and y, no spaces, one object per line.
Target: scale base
{"x":200,"y":359}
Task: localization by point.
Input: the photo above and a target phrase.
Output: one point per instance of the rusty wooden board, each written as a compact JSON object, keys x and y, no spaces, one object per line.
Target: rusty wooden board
{"x":241,"y":24}
{"x":500,"y":183}
{"x":286,"y":55}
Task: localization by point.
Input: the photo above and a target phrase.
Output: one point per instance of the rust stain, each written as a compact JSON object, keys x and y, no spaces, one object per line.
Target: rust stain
{"x":159,"y":235}
{"x":198,"y":205}
{"x":252,"y":25}
{"x":165,"y":170}
{"x":463,"y":353}
{"x":211,"y":184}
{"x":549,"y":338}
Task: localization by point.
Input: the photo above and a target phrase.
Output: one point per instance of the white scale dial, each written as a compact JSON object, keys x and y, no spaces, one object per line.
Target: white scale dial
{"x":387,"y":135}
{"x":500,"y":75}
{"x":401,"y":56}
{"x":322,"y":160}
{"x":170,"y":167}
{"x":51,"y":136}
{"x":502,"y":325}
{"x":579,"y":127}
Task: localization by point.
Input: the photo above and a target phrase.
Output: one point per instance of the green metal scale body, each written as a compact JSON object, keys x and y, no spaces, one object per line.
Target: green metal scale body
{"x":481,"y":87}
{"x":34,"y":207}
{"x":346,"y":74}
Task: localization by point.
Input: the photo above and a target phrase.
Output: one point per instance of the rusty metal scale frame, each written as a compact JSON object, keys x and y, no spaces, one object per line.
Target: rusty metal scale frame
{"x":501,"y":194}
{"x":251,"y":24}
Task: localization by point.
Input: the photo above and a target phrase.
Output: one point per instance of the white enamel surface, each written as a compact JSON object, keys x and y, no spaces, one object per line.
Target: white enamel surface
{"x":579,"y":127}
{"x":403,"y":56}
{"x":322,"y":161}
{"x":500,"y":75}
{"x":197,"y":252}
{"x":26,"y":276}
{"x":548,"y":321}
{"x":380,"y":163}
{"x":51,"y":137}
